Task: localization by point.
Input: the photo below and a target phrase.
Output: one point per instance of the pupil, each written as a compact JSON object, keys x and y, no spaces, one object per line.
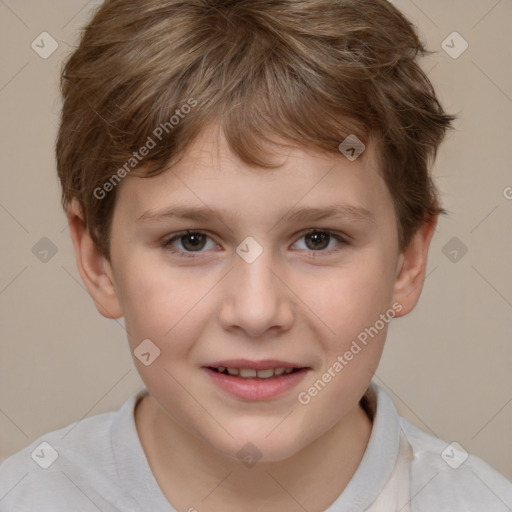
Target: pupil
{"x":319,"y":236}
{"x":196,"y":237}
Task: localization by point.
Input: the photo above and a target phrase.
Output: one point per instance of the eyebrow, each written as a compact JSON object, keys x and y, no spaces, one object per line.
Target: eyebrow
{"x":203,"y":214}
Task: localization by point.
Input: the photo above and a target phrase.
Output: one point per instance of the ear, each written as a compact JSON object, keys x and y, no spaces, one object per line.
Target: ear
{"x":412,"y":264}
{"x":94,"y":268}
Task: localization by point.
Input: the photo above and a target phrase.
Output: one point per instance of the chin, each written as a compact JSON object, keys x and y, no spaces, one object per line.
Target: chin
{"x":255,"y":444}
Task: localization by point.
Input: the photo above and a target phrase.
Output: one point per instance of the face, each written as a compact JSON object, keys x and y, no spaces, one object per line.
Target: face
{"x":270,"y":310}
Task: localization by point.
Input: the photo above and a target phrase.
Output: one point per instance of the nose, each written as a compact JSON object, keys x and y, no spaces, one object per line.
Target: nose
{"x":256,"y":299}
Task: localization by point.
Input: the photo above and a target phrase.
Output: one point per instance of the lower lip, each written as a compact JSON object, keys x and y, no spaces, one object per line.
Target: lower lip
{"x":256,"y":389}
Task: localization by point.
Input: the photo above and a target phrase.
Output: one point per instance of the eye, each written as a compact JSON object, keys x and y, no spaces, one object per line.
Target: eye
{"x":316,"y":240}
{"x":191,"y":241}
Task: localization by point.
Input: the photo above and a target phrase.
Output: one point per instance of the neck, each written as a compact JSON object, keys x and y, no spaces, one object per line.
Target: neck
{"x":190,"y":472}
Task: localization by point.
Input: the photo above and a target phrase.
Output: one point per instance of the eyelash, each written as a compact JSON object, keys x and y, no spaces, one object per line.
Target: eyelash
{"x":166,"y":243}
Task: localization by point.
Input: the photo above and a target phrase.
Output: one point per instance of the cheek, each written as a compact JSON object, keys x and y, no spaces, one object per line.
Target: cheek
{"x":355,"y":305}
{"x":162,"y":305}
{"x":351,"y":299}
{"x":156,"y":301}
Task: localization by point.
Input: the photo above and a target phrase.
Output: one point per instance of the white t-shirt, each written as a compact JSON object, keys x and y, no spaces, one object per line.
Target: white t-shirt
{"x":98,"y":464}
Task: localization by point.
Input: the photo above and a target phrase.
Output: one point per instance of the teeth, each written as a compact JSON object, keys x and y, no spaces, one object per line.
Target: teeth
{"x":250,"y":373}
{"x":247,"y":373}
{"x":265,"y":374}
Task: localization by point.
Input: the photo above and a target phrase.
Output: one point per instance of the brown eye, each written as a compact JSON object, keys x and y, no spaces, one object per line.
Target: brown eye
{"x":318,"y":240}
{"x":193,"y":241}
{"x":187,"y":243}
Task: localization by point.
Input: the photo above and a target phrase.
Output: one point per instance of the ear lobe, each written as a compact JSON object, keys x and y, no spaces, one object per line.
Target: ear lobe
{"x":412,"y":265}
{"x":93,"y":266}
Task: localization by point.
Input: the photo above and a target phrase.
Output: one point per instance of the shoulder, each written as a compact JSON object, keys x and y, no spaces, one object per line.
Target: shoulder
{"x":444,"y":477}
{"x":69,"y":467}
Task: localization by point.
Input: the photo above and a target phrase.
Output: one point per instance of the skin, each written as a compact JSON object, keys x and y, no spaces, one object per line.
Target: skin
{"x":293,"y":303}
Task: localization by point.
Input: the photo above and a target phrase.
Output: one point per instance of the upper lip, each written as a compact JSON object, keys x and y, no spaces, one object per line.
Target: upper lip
{"x":256,"y":365}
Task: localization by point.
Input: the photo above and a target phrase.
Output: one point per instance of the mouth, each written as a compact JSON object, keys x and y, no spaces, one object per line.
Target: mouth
{"x":251,"y":373}
{"x":255,"y":380}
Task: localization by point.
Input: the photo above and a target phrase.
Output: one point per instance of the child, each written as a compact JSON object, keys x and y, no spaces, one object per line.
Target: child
{"x":295,"y":139}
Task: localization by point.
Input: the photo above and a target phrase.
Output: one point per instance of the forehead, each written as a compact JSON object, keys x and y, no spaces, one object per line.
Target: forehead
{"x":210,"y":176}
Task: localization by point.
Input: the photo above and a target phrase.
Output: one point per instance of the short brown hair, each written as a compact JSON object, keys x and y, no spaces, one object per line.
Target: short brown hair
{"x":310,"y":72}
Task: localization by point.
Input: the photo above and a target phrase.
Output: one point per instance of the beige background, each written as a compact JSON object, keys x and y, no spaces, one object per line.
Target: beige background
{"x":447,"y":364}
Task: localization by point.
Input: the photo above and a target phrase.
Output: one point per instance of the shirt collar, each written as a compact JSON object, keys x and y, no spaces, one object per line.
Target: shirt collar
{"x":135,"y":475}
{"x":380,"y":455}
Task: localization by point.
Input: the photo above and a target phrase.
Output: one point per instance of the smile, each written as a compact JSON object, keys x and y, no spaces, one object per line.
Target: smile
{"x":252,"y":380}
{"x":251,"y":373}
